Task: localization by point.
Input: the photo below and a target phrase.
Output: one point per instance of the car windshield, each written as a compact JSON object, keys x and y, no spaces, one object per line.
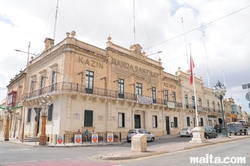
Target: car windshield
{"x":131,"y":131}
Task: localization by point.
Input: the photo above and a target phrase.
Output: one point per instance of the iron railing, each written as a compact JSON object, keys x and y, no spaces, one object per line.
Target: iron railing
{"x":79,"y":88}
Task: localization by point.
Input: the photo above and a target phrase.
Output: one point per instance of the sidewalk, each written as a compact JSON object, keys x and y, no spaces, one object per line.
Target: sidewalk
{"x":36,"y":144}
{"x":123,"y":155}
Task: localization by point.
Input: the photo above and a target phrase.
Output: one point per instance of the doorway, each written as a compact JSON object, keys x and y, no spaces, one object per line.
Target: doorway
{"x":167,"y":125}
{"x":37,"y":119}
{"x":137,"y":121}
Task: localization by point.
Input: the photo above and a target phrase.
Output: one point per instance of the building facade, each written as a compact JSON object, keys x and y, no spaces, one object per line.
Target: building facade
{"x":81,"y":86}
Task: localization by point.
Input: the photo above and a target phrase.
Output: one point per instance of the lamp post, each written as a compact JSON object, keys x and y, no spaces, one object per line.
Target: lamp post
{"x":44,"y":102}
{"x":6,"y":133}
{"x":220,"y":91}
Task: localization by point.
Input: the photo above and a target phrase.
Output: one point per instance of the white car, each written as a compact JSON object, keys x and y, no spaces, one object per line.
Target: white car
{"x":132,"y":132}
{"x":186,"y":132}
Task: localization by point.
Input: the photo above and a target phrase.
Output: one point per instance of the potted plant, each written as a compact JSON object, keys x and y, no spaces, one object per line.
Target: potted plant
{"x":115,"y":138}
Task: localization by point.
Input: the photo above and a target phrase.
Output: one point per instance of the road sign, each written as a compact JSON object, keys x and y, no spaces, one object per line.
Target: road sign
{"x":248,"y":96}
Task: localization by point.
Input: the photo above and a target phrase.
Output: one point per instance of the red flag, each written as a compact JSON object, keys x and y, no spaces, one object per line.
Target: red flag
{"x":191,"y":70}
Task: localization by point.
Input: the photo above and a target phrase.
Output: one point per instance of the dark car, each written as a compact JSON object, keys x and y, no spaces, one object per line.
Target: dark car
{"x":218,"y":128}
{"x":209,"y":132}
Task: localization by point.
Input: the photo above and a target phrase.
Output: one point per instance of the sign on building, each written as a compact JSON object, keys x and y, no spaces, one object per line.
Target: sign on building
{"x":110,"y":137}
{"x":144,"y":100}
{"x":94,"y":138}
{"x":78,"y":138}
{"x":59,"y":139}
{"x":170,"y":104}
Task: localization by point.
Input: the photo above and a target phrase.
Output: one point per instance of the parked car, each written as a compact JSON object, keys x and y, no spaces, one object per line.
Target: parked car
{"x":132,"y":132}
{"x":218,"y":128}
{"x":237,"y":127}
{"x":209,"y":132}
{"x":186,"y":132}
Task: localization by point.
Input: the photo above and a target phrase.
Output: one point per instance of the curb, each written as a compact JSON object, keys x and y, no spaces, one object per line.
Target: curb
{"x":145,"y":154}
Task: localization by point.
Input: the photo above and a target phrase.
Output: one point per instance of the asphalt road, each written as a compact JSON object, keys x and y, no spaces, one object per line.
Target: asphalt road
{"x":14,"y":154}
{"x":228,"y":151}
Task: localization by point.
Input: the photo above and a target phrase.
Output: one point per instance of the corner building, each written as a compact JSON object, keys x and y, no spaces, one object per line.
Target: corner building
{"x":108,"y":90}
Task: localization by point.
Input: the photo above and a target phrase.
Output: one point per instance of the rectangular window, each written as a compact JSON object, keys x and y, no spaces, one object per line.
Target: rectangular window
{"x":29,"y":115}
{"x":121,"y":119}
{"x":42,"y":84}
{"x":186,"y":100}
{"x":188,"y":121}
{"x":32,"y":85}
{"x":213,"y":106}
{"x":165,"y":96}
{"x":200,"y":102}
{"x":201,"y":121}
{"x":88,"y":118}
{"x":53,"y":77}
{"x":138,"y":89}
{"x":175,"y":122}
{"x":154,"y":94}
{"x":120,"y":88}
{"x":89,"y":83}
{"x":154,"y":120}
{"x":173,"y":97}
{"x":50,"y":112}
{"x":193,"y":102}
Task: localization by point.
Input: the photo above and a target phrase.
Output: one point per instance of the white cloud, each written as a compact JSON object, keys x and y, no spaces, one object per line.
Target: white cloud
{"x":158,"y":24}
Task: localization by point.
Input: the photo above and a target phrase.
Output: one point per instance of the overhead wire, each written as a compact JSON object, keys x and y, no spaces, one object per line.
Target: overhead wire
{"x":119,"y":19}
{"x":83,"y":24}
{"x":198,"y":27}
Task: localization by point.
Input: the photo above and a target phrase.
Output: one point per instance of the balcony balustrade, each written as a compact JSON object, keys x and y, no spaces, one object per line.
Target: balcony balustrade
{"x":71,"y":87}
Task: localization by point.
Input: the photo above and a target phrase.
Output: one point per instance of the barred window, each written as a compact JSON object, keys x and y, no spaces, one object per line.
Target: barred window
{"x":88,"y":118}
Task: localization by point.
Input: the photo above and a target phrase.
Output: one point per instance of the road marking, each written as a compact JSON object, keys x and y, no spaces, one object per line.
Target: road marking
{"x":15,"y":150}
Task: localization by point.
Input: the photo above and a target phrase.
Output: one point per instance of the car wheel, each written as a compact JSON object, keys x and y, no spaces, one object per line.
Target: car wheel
{"x":152,"y":139}
{"x":207,"y":137}
{"x":215,"y":136}
{"x":235,"y":133}
{"x":181,"y":136}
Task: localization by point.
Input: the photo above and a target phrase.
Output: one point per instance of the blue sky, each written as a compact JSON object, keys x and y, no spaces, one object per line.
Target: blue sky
{"x":158,"y":27}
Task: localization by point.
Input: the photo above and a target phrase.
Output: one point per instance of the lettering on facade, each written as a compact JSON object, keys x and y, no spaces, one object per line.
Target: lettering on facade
{"x":90,"y":62}
{"x":169,"y":85}
{"x":133,"y":68}
{"x":100,"y":117}
{"x":113,"y":118}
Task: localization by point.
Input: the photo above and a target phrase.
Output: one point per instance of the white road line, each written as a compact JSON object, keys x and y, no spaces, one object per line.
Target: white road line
{"x":18,"y":149}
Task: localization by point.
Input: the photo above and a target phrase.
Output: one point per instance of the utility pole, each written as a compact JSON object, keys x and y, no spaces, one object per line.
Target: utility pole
{"x":25,"y":84}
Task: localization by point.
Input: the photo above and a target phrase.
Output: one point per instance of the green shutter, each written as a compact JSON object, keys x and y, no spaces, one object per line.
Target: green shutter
{"x":88,"y":118}
{"x":50,"y":112}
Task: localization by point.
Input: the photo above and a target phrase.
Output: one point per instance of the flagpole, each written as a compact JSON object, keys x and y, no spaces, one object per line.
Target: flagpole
{"x":193,"y":79}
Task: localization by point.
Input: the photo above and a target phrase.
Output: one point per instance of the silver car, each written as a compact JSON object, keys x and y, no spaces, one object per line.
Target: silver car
{"x":132,"y":132}
{"x":186,"y":132}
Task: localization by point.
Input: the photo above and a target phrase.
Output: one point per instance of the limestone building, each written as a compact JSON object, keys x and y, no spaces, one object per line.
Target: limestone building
{"x":108,"y":90}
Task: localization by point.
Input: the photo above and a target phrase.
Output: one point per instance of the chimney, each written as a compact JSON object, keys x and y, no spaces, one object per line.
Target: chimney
{"x":49,"y":43}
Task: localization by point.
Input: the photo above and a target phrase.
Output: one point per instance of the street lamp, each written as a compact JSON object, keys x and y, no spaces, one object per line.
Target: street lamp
{"x":44,"y":102}
{"x":6,"y":133}
{"x":220,"y":91}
